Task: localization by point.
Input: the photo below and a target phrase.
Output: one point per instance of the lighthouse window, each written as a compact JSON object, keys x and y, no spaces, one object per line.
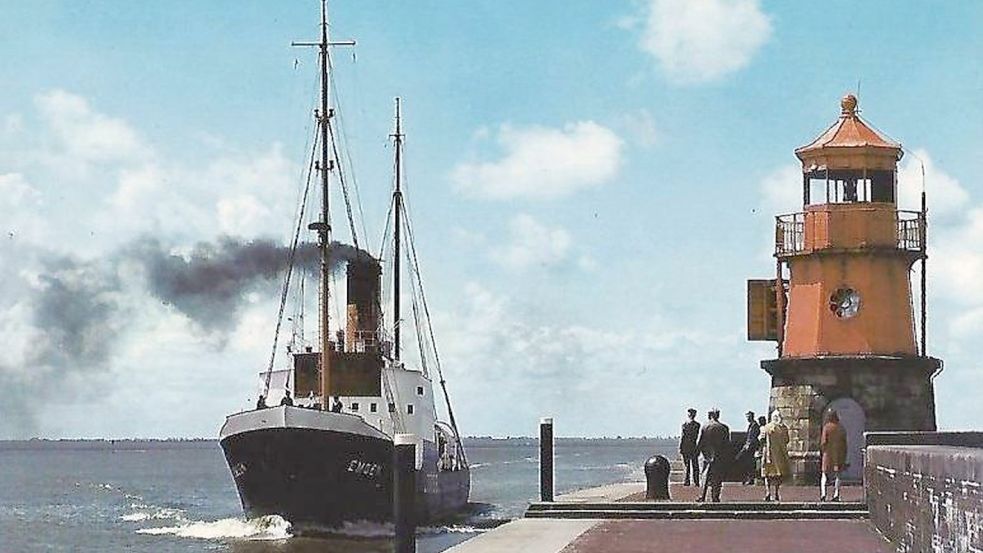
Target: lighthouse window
{"x":373,"y":407}
{"x":409,"y":409}
{"x":419,"y":390}
{"x":355,"y":406}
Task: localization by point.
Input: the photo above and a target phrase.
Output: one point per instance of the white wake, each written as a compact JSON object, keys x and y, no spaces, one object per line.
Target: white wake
{"x":271,"y":527}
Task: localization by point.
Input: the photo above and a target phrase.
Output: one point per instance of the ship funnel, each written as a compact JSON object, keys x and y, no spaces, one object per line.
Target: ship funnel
{"x":364,"y":282}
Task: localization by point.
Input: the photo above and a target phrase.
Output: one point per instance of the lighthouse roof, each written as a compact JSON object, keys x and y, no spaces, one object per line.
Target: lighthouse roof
{"x":849,"y":143}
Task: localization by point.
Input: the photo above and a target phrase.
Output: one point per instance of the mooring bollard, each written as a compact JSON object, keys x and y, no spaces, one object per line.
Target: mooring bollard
{"x":404,"y":492}
{"x":657,"y":478}
{"x":546,"y":459}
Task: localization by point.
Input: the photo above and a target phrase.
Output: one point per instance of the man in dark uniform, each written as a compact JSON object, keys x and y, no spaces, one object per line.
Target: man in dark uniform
{"x":749,"y":448}
{"x":287,"y":400}
{"x":687,"y":448}
{"x":714,"y":444}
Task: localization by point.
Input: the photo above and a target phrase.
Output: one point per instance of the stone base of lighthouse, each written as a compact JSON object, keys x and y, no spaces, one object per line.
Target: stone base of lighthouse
{"x":871,"y":393}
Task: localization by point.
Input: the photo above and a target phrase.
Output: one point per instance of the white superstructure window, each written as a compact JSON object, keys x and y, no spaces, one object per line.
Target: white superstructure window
{"x":409,"y":409}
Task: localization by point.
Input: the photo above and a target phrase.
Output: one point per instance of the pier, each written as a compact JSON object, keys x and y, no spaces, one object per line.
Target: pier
{"x":906,"y":473}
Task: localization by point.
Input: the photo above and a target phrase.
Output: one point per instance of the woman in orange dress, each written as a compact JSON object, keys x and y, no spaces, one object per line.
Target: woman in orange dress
{"x":833,"y":448}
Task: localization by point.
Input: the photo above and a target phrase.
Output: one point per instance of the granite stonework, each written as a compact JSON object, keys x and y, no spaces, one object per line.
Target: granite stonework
{"x":895,"y":393}
{"x":927,"y":497}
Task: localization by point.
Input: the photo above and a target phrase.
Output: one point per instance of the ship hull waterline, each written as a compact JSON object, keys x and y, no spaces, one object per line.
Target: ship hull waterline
{"x":321,"y":478}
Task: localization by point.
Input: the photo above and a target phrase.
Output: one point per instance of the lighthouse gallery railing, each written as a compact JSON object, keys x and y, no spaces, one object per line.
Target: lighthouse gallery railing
{"x":790,"y":235}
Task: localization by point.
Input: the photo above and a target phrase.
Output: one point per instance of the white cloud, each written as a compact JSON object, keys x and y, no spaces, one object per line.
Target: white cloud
{"x":241,"y":214}
{"x":85,"y":134}
{"x":541,"y":162}
{"x":20,"y":204}
{"x":956,"y":259}
{"x":705,"y":40}
{"x":945,"y":195}
{"x":781,"y":190}
{"x":238,"y":194}
{"x":594,"y":380}
{"x":533,"y":243}
{"x":15,"y":192}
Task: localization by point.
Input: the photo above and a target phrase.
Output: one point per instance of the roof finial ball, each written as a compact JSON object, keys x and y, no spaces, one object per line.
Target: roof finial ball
{"x":849,"y":105}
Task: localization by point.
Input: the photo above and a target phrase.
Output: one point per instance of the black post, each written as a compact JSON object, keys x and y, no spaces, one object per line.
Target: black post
{"x":546,"y":459}
{"x":404,"y":492}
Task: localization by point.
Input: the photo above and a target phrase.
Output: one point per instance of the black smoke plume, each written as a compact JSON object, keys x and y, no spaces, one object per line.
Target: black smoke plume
{"x":78,"y":312}
{"x":210,"y":284}
{"x":75,"y":310}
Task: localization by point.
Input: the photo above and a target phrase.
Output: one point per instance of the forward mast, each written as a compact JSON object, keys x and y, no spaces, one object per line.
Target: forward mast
{"x":325,"y":166}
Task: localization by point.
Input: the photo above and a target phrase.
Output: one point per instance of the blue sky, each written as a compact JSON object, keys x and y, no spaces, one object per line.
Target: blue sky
{"x":591,"y":184}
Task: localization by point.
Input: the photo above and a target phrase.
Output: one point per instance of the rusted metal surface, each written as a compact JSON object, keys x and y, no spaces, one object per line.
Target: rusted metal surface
{"x":881,"y":322}
{"x":364,"y":307}
{"x":849,"y":143}
{"x":852,"y":226}
{"x":762,"y":310}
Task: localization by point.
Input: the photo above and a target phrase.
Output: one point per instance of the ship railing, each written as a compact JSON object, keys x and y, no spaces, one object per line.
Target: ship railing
{"x":365,"y":340}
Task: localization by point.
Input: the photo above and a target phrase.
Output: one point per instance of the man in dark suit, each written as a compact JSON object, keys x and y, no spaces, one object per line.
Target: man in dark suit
{"x":745,"y":456}
{"x":714,"y":444}
{"x":688,"y":450}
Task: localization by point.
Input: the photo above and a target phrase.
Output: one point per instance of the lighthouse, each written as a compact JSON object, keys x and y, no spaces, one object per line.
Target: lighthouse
{"x":841,"y":304}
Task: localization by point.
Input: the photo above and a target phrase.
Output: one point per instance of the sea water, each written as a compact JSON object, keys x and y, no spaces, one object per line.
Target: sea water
{"x":178,"y":496}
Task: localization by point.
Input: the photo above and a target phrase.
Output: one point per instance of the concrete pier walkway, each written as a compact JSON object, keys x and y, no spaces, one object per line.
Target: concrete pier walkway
{"x":799,"y":524}
{"x":729,"y":536}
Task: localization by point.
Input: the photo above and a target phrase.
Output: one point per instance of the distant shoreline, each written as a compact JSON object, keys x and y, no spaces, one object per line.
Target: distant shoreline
{"x":137,"y":444}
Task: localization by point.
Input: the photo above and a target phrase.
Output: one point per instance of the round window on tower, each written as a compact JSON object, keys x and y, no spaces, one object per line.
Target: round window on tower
{"x":845,"y":303}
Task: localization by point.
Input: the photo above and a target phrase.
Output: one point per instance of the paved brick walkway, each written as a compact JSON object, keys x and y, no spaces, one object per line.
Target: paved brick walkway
{"x":733,"y":491}
{"x":730,"y":536}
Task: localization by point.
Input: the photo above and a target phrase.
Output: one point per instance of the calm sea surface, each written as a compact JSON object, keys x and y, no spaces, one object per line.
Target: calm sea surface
{"x":179,"y":497}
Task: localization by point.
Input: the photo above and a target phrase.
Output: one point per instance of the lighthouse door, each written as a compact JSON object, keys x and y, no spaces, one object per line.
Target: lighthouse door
{"x":854,"y":421}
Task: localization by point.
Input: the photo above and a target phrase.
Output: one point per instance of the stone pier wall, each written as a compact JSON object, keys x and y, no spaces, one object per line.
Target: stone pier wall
{"x":926,"y":494}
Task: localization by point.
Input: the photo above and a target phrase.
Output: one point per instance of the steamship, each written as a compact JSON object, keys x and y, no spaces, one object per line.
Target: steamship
{"x":323,"y":456}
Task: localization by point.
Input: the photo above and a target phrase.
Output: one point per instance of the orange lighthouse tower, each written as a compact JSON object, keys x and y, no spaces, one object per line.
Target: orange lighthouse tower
{"x":841,"y":305}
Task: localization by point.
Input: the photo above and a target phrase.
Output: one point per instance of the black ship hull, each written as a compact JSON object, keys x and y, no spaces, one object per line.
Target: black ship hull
{"x":323,"y":477}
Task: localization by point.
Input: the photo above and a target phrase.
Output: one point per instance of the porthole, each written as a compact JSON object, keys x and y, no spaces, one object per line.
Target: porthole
{"x":845,"y":303}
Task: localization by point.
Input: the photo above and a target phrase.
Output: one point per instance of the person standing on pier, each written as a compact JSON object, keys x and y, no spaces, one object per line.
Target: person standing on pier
{"x":758,"y":458}
{"x":745,"y":457}
{"x":774,"y":457}
{"x":714,"y":443}
{"x":687,"y":448}
{"x":833,"y":448}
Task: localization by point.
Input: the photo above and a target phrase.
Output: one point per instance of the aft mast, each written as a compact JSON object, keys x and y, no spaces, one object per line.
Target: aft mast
{"x":323,"y":226}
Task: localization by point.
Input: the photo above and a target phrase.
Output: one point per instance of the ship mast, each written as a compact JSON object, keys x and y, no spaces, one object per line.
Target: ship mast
{"x":397,"y":205}
{"x":323,"y":226}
